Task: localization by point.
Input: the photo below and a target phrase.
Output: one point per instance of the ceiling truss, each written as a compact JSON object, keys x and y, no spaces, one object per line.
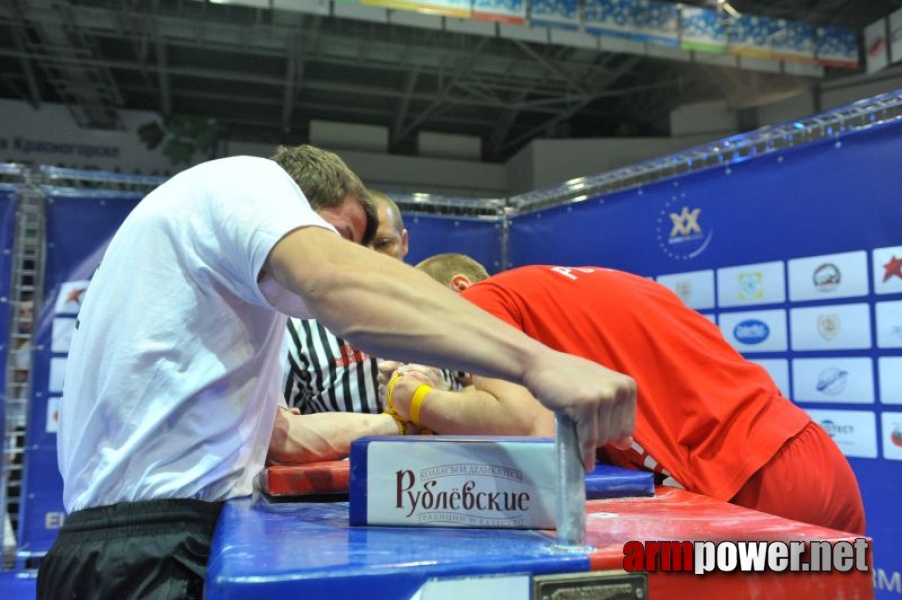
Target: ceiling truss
{"x":263,"y":74}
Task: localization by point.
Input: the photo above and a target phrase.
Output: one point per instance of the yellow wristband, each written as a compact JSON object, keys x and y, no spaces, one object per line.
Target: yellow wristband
{"x":389,"y":403}
{"x":416,"y":403}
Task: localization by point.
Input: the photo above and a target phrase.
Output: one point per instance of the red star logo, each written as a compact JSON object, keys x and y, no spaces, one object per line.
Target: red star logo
{"x":75,"y":295}
{"x":893,"y":268}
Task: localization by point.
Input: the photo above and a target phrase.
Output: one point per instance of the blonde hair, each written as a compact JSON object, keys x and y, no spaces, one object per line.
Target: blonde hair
{"x":443,"y":268}
{"x":325,"y":180}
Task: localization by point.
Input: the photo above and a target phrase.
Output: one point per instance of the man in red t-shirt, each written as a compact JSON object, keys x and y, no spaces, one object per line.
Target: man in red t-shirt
{"x":708,"y":420}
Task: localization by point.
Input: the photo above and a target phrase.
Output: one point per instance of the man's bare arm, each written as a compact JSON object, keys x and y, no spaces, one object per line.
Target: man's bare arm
{"x":322,"y":436}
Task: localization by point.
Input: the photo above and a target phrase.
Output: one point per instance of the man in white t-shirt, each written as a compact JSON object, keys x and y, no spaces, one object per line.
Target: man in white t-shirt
{"x":171,"y":390}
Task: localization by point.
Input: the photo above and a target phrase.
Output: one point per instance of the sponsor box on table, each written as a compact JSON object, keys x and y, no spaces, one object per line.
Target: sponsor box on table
{"x":453,"y":481}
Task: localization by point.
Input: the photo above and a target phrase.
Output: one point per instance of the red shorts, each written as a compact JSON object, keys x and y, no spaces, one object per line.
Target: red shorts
{"x":808,"y":480}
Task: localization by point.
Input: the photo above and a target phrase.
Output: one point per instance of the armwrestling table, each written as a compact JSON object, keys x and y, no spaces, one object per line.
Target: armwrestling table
{"x":280,"y":550}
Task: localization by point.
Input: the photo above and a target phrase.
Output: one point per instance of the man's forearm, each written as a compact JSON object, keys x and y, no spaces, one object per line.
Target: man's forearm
{"x":474,"y":412}
{"x":491,"y":407}
{"x":322,"y":436}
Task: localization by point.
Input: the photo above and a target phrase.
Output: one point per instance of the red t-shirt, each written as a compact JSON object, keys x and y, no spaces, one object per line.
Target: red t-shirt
{"x":706,"y":416}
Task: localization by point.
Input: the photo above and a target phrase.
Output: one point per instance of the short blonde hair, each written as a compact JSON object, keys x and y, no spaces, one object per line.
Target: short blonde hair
{"x":443,"y":268}
{"x":325,"y":180}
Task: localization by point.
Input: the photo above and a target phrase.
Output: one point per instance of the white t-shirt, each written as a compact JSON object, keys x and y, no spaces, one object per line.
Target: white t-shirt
{"x":174,"y":371}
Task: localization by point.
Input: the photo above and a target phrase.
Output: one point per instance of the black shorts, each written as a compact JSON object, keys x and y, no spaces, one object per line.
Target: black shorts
{"x":148,"y":550}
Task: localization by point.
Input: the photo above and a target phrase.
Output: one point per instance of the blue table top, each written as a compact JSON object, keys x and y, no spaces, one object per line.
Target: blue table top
{"x":276,"y":550}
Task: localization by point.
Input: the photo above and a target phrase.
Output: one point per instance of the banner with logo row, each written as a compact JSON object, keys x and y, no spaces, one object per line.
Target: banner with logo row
{"x":824,"y":336}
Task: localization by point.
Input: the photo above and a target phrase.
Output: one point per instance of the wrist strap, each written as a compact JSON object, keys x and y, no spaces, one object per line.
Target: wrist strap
{"x":416,"y":402}
{"x":389,"y":403}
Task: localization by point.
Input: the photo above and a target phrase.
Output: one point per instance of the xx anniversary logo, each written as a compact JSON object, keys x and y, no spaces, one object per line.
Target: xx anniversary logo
{"x":682,"y":232}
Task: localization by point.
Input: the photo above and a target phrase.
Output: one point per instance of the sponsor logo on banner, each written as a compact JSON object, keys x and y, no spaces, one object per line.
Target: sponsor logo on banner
{"x":886,"y":268}
{"x":835,"y":327}
{"x":70,"y":297}
{"x":835,"y":429}
{"x":892,"y":435}
{"x":854,"y":431}
{"x":889,"y":324}
{"x":695,"y":289}
{"x":828,"y":326}
{"x":827,"y":277}
{"x":847,"y":380}
{"x":842,"y":275}
{"x":685,"y":224}
{"x":680,"y":229}
{"x":892,"y":268}
{"x":683,"y":289}
{"x":755,"y":331}
{"x":832,"y":381}
{"x":751,"y":331}
{"x":53,"y":414}
{"x":761,"y":283}
{"x":751,"y":286}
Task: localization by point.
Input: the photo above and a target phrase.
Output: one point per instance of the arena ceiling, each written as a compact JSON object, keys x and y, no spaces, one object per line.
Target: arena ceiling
{"x":264,"y":74}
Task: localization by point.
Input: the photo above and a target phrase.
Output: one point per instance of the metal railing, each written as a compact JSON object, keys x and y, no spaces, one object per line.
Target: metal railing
{"x":433,"y":204}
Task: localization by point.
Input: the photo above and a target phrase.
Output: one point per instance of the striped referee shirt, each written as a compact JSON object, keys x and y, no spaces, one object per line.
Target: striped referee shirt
{"x":327,"y":374}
